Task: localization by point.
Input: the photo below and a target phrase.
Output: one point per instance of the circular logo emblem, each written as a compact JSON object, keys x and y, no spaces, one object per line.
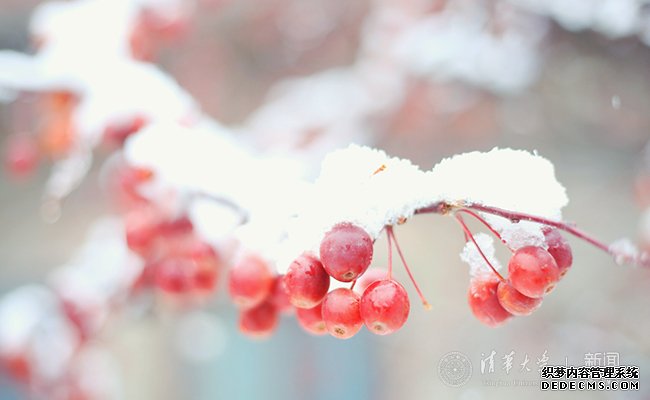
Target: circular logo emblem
{"x":455,"y":369}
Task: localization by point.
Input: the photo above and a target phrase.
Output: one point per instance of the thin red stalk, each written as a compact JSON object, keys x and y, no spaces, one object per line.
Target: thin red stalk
{"x":354,"y":282}
{"x":444,"y":208}
{"x":390,"y":253}
{"x":390,"y":233}
{"x":484,"y":222}
{"x":515,"y":216}
{"x":469,"y":233}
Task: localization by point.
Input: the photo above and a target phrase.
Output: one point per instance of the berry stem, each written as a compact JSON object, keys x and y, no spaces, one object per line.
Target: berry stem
{"x":484,"y":222}
{"x":390,"y":252}
{"x":642,"y":259}
{"x":390,"y":233}
{"x":469,"y":233}
{"x":444,"y":208}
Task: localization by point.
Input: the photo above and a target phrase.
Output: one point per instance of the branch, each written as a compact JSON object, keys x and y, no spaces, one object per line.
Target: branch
{"x":443,"y":208}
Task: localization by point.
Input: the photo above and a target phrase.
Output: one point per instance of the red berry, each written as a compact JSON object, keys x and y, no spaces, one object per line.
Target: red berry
{"x":250,"y":281}
{"x":206,"y":276}
{"x":341,"y":313}
{"x":259,"y":321}
{"x":311,"y":319}
{"x":368,"y":278}
{"x":483,"y":302}
{"x":18,"y":365}
{"x":515,"y":302}
{"x":279,"y":296}
{"x":306,"y":282}
{"x":384,"y":307}
{"x":346,"y":252}
{"x":21,"y":155}
{"x":142,"y":228}
{"x":560,"y":249}
{"x":174,"y":274}
{"x":533,"y":271}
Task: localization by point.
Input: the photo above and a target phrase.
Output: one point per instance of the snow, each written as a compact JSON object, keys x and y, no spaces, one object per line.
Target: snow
{"x":101,"y":272}
{"x":505,"y":178}
{"x":37,"y":327}
{"x":477,"y":265}
{"x":613,"y":18}
{"x":356,"y":184}
{"x":625,"y":252}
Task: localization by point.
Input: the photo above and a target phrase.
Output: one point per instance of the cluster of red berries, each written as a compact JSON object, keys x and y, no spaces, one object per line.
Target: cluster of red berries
{"x":374,"y":299}
{"x":532,"y":273}
{"x":176,"y":260}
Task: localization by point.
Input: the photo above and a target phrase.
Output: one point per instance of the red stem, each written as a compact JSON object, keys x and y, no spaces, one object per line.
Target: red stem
{"x":390,"y":233}
{"x":445,"y":208}
{"x":469,"y":233}
{"x":484,"y":222}
{"x":390,"y":253}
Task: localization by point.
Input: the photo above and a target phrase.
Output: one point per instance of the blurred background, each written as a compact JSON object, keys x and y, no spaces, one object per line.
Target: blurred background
{"x":568,"y":80}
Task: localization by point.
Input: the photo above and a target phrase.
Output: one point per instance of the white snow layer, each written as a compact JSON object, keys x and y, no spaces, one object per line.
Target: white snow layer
{"x":357,"y":184}
{"x":477,"y":265}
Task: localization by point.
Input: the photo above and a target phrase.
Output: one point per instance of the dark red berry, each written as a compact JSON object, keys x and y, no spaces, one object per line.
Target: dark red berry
{"x":533,"y":271}
{"x":341,"y":313}
{"x":306,"y":282}
{"x":346,"y":252}
{"x":559,"y":248}
{"x":384,"y":307}
{"x":483,"y":301}
{"x":515,"y":302}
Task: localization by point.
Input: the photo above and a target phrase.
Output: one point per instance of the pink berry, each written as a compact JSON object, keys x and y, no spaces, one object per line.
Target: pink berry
{"x":279,"y":296}
{"x":385,"y":306}
{"x":533,"y":271}
{"x":142,"y":230}
{"x":560,"y":249}
{"x":369,"y":277}
{"x":173,"y":275}
{"x":250,"y":282}
{"x":311,"y":319}
{"x":259,"y":321}
{"x":483,"y":302}
{"x":21,"y":155}
{"x":346,"y":252}
{"x":306,"y":282}
{"x":515,"y":302}
{"x":341,"y":313}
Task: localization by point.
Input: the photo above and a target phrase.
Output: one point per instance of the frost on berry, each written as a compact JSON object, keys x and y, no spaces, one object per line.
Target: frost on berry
{"x":533,"y":271}
{"x":250,"y":281}
{"x":346,"y":252}
{"x":341,"y":313}
{"x":484,"y":303}
{"x":306,"y":282}
{"x":384,"y":307}
{"x":627,"y":252}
